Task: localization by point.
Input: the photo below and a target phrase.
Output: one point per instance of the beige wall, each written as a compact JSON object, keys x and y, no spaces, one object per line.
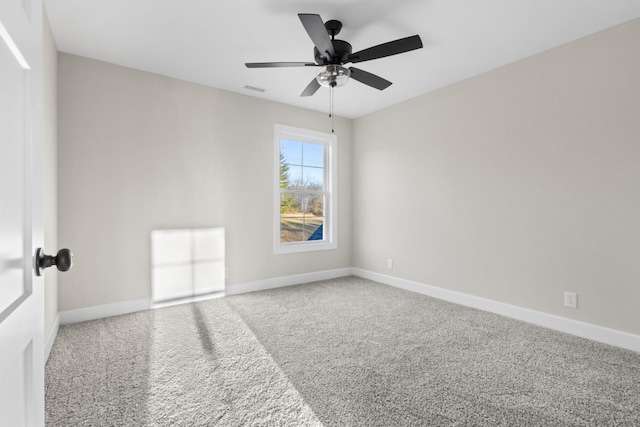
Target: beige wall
{"x":139,"y":152}
{"x":50,"y":188}
{"x":515,"y":185}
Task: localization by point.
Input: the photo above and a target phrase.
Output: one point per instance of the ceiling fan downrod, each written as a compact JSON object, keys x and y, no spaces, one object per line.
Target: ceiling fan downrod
{"x":333,"y":28}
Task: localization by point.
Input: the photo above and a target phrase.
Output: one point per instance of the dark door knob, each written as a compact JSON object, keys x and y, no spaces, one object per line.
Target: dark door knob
{"x":63,"y":260}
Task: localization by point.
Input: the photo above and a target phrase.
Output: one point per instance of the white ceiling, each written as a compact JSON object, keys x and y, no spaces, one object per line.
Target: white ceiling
{"x":208,"y":41}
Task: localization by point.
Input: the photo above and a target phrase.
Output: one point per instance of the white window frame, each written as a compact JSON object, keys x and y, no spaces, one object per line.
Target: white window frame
{"x":330,"y":226}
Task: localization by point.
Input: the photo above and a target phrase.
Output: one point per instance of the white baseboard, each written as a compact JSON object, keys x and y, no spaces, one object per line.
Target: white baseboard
{"x":124,"y":307}
{"x":279,"y":282}
{"x":51,"y":337}
{"x":187,"y":300}
{"x":105,"y":310}
{"x":558,"y":323}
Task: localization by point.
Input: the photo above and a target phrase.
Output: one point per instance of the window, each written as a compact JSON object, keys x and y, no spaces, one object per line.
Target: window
{"x":305,"y":190}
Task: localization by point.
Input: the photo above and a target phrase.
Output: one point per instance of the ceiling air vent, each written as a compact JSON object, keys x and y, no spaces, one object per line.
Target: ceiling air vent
{"x":256,"y":89}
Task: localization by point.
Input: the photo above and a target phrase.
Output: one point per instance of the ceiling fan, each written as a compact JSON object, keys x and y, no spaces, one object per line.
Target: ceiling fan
{"x":333,"y":55}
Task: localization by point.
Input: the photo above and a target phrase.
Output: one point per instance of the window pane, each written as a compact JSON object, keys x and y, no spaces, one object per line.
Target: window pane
{"x":291,"y":228}
{"x":301,"y":228}
{"x":291,"y":177}
{"x":313,"y":154}
{"x":313,"y":178}
{"x":313,"y":229}
{"x":301,"y":217}
{"x":292,"y":151}
{"x":289,"y":204}
{"x":311,"y":204}
{"x":302,"y":204}
{"x":315,"y":205}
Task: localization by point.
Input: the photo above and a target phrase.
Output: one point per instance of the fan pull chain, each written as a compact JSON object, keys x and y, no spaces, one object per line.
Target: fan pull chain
{"x":331,"y":108}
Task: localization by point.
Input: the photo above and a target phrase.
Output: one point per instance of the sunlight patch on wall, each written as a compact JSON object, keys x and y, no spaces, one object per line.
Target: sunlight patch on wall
{"x":187,"y":263}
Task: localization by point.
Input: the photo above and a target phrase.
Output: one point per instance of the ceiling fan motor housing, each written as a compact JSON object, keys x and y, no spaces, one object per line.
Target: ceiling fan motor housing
{"x":342,"y":50}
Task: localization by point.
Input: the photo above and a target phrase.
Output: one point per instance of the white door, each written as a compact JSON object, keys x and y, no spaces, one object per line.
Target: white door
{"x":21,"y":293}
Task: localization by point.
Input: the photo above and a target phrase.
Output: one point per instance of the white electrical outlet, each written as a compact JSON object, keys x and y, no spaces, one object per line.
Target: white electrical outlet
{"x":571,"y":299}
{"x":389,"y":263}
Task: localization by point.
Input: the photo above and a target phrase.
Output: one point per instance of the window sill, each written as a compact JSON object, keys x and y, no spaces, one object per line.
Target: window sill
{"x":291,"y":248}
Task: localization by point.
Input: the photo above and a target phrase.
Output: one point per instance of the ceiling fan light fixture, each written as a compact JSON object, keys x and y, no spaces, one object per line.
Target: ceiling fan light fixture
{"x":333,"y":76}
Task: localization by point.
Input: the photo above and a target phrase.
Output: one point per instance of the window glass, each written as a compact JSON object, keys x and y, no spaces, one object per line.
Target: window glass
{"x":305,"y":197}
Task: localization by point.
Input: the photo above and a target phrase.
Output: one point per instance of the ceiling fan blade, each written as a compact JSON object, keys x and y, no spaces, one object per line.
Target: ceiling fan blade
{"x":279,"y":64}
{"x":311,"y":88}
{"x":369,"y":79}
{"x":387,"y":49}
{"x":318,"y":33}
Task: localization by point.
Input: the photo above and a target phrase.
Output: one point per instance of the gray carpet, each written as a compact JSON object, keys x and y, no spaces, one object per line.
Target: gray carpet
{"x":344,"y":352}
{"x":188,"y":365}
